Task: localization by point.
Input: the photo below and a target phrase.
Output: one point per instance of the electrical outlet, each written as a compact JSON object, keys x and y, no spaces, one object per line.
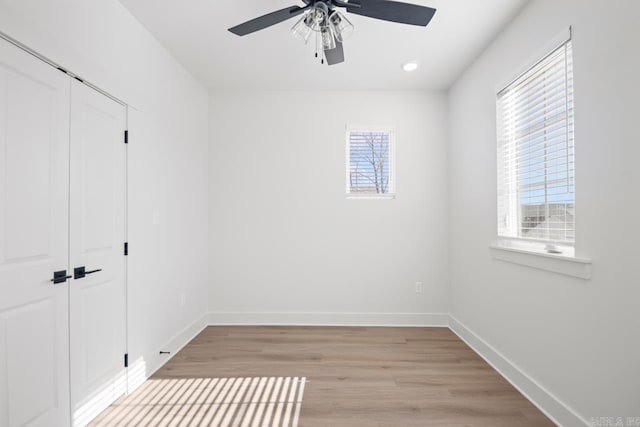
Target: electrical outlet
{"x":418,"y":287}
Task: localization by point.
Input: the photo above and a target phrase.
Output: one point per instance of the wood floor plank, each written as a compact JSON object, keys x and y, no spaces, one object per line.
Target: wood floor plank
{"x":354,"y":377}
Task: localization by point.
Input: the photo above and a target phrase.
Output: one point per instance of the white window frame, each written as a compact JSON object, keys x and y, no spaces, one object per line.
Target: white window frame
{"x":535,"y":246}
{"x":391,"y":130}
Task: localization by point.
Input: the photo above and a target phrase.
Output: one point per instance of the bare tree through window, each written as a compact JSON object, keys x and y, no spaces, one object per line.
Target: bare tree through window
{"x":369,"y":162}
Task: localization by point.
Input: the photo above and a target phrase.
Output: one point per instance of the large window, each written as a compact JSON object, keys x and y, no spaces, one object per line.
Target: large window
{"x":370,"y":166}
{"x":536,"y":186}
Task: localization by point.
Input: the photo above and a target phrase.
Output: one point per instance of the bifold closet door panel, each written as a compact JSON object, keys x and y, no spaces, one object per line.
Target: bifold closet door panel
{"x":97,"y":218}
{"x":34,"y":180}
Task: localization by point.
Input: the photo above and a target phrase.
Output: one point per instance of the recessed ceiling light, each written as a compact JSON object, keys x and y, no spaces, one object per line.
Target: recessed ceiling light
{"x":410,"y":66}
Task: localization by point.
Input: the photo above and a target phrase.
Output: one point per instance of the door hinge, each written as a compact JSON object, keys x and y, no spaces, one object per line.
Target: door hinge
{"x":126,"y":360}
{"x":126,"y":136}
{"x":126,"y":248}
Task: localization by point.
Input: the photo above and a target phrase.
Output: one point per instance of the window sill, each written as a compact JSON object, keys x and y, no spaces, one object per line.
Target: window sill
{"x":562,"y":264}
{"x":371,"y":196}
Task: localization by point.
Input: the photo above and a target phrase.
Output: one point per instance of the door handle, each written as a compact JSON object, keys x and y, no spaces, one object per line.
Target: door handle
{"x":60,"y":277}
{"x":80,"y":272}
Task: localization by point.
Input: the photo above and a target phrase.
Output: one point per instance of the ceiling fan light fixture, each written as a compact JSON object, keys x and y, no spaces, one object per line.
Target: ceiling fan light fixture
{"x":319,"y":13}
{"x":342,"y":27}
{"x":410,"y":66}
{"x":328,"y":38}
{"x":303,"y":28}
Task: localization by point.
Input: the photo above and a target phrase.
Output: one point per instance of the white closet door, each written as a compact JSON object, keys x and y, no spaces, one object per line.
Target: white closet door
{"x":34,"y":168}
{"x":97,"y":214}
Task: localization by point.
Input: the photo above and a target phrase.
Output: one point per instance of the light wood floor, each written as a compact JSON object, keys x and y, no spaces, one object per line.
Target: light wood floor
{"x":355,"y":377}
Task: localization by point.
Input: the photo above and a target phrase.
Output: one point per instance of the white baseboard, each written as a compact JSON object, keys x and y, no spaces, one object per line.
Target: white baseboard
{"x":550,"y":405}
{"x":141,"y":369}
{"x":328,"y":319}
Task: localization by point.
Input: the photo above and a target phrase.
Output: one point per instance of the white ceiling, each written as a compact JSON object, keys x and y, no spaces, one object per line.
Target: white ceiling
{"x":195,"y":32}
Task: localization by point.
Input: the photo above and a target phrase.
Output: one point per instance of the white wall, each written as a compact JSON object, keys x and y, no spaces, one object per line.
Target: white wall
{"x":577,"y":339}
{"x":288,"y":247}
{"x":104,"y":44}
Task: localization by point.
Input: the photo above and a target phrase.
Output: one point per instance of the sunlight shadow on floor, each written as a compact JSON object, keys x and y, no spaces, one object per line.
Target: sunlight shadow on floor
{"x":228,"y":402}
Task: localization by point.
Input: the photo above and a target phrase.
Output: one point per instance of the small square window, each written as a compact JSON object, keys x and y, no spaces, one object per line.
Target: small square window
{"x":370,"y":162}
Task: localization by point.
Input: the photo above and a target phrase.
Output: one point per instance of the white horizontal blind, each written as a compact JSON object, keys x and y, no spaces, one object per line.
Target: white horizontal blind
{"x":536,"y":176}
{"x":369,"y":162}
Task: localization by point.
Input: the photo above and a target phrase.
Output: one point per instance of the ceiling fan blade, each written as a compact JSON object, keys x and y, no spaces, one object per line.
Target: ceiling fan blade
{"x":267,"y":20}
{"x":404,"y":13}
{"x":336,"y":55}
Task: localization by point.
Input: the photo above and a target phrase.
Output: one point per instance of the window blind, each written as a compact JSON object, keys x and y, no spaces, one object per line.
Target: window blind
{"x":369,"y":168}
{"x":536,"y":167}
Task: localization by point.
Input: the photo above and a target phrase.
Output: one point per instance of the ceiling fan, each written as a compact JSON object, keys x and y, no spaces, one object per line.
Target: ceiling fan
{"x":331,"y":26}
